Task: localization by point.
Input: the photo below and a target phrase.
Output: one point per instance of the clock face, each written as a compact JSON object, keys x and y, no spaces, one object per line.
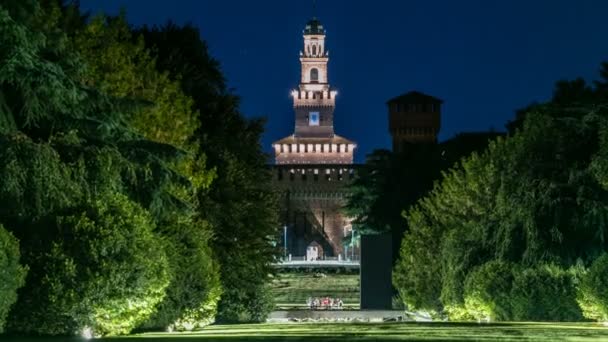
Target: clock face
{"x":313,"y":119}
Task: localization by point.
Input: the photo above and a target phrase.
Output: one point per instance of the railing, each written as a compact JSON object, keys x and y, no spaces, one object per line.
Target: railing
{"x":334,"y":262}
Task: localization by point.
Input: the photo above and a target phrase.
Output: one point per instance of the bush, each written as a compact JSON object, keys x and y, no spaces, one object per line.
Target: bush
{"x":417,"y":274}
{"x":195,"y":288}
{"x":488,"y":291}
{"x":593,"y":290}
{"x":260,"y":303}
{"x":544,"y":293}
{"x":250,"y":306}
{"x":103,"y":271}
{"x":12,"y":274}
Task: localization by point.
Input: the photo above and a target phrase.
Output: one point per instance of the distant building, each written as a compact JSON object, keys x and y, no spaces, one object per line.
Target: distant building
{"x":413,"y":118}
{"x":313,"y":165}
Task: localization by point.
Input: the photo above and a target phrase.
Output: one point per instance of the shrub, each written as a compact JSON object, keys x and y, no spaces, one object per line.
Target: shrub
{"x":261,"y":304}
{"x":488,"y":291}
{"x":417,"y":274}
{"x":544,"y":293}
{"x":103,"y":270}
{"x":195,"y":288}
{"x":250,"y":306}
{"x":12,"y":274}
{"x":593,"y":290}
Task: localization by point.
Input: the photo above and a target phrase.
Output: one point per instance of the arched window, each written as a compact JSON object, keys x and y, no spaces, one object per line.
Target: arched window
{"x":314,"y":75}
{"x":314,"y":50}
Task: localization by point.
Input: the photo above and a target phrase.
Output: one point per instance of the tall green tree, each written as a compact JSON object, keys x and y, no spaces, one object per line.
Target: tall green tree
{"x":240,"y":204}
{"x":66,"y":147}
{"x":120,"y":64}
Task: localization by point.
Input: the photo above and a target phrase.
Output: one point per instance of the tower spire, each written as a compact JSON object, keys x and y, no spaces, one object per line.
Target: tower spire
{"x":314,"y":8}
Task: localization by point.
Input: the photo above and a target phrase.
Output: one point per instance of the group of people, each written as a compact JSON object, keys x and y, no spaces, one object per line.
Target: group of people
{"x":324,"y":303}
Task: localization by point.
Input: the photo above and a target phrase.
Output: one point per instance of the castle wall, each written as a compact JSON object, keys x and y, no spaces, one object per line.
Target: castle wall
{"x":312,"y":197}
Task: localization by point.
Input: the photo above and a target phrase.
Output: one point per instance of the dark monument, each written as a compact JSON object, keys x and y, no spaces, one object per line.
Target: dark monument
{"x":376,"y":272}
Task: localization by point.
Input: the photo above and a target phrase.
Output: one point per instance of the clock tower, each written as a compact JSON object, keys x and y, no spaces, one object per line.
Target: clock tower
{"x":314,"y":101}
{"x":314,"y":165}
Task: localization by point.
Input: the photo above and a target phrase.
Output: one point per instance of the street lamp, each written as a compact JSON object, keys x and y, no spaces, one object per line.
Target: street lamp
{"x":284,"y":242}
{"x":345,"y":245}
{"x":352,"y":243}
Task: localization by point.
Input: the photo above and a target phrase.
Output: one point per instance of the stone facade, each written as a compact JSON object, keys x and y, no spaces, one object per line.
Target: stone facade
{"x":312,"y":197}
{"x":313,"y":165}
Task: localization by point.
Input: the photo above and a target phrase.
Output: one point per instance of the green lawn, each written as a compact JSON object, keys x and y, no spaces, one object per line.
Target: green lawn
{"x":344,"y":332}
{"x":292,"y":289}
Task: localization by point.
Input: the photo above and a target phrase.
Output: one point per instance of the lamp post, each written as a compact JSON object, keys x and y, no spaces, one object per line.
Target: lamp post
{"x":345,"y":245}
{"x":284,"y":242}
{"x":352,"y":243}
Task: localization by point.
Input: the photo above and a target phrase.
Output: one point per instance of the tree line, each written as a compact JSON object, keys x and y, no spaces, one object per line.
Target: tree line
{"x":134,"y":194}
{"x":515,"y":230}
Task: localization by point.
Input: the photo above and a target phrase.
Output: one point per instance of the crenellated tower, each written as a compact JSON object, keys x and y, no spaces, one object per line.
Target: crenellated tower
{"x":314,"y":140}
{"x":314,"y":165}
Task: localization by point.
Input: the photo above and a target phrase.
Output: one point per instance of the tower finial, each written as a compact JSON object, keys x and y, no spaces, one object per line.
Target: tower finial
{"x":314,"y":9}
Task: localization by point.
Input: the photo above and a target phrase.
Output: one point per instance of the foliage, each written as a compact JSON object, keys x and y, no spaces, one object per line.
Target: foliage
{"x":69,"y":139}
{"x":120,"y":65}
{"x":544,"y":293}
{"x":12,"y":273}
{"x":240,"y":204}
{"x":533,"y":198}
{"x":417,"y":275}
{"x":390,"y":183}
{"x":593,"y":292}
{"x":488,"y":291}
{"x":35,"y":182}
{"x":101,"y":268}
{"x":194,"y":290}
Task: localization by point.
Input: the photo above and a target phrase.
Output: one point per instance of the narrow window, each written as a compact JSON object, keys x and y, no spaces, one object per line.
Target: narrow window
{"x":314,"y":75}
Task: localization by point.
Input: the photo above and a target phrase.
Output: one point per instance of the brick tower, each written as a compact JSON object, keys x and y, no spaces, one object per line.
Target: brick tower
{"x":414,"y":118}
{"x":313,"y":165}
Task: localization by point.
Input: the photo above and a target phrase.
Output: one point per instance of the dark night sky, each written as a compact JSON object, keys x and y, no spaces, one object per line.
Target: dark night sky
{"x":484,"y":58}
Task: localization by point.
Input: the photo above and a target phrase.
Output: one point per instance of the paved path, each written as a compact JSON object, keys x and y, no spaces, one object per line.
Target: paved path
{"x":318,"y":263}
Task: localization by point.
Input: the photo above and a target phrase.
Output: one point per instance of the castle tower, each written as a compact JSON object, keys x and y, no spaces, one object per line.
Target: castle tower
{"x":314,"y":140}
{"x":414,"y":118}
{"x":314,"y":165}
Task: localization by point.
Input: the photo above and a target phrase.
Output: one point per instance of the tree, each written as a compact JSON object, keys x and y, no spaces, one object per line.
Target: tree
{"x":66,"y":145}
{"x":119,"y":64}
{"x":534,"y":198}
{"x":488,"y":291}
{"x":240,"y":204}
{"x":101,"y":269}
{"x":544,"y":293}
{"x":390,"y":183}
{"x":592,"y":293}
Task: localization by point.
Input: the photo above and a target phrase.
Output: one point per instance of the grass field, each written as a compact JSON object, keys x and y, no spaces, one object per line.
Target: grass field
{"x":292,"y":289}
{"x":344,"y":332}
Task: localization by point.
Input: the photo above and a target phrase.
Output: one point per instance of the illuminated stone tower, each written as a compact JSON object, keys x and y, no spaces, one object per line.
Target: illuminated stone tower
{"x":313,"y":164}
{"x":314,"y":140}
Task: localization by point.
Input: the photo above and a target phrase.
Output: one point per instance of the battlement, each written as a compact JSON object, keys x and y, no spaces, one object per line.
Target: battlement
{"x":314,"y":98}
{"x":318,"y":174}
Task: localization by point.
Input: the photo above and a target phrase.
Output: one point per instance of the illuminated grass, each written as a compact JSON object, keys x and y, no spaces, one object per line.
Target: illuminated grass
{"x":394,"y":332}
{"x":292,"y":289}
{"x":344,"y":332}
